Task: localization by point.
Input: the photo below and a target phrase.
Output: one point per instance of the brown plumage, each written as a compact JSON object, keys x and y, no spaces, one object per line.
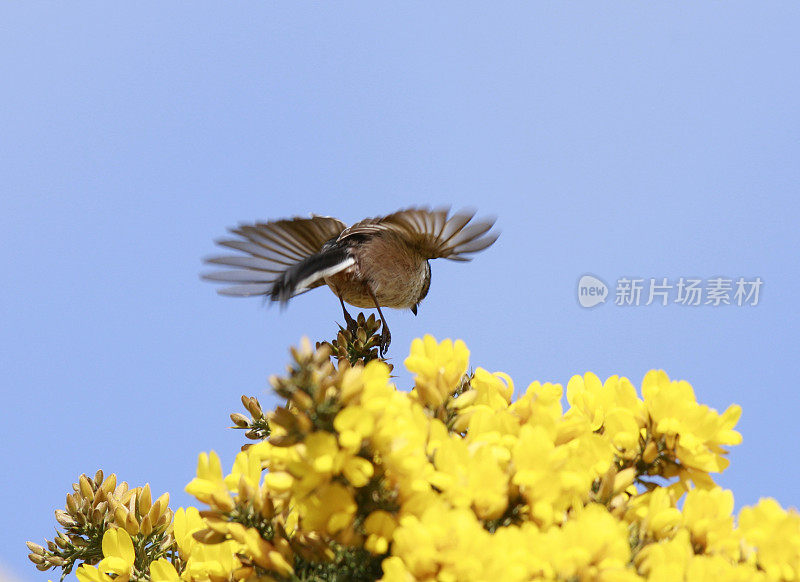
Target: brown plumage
{"x":378,"y":262}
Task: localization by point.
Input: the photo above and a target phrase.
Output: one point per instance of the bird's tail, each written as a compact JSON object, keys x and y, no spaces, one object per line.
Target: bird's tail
{"x":310,"y":273}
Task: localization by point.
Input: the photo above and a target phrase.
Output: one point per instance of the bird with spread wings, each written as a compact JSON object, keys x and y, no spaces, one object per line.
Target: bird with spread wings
{"x":377,"y":262}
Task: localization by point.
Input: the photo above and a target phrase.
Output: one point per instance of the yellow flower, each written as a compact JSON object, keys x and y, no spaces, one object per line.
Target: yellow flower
{"x":478,"y":487}
{"x":209,"y":486}
{"x":118,"y":558}
{"x":655,"y":510}
{"x":162,"y":570}
{"x":493,"y":390}
{"x":86,"y":573}
{"x":540,"y":406}
{"x":279,"y":482}
{"x":262,"y":552}
{"x":394,"y":570}
{"x":612,"y":406}
{"x":519,"y":554}
{"x":675,"y":559}
{"x":403,"y":440}
{"x":318,"y":459}
{"x":354,"y":424}
{"x":704,"y":568}
{"x":246,"y":473}
{"x":315,"y":461}
{"x":441,"y":544}
{"x":379,"y":526}
{"x":357,"y":380}
{"x":666,"y":561}
{"x":357,"y":471}
{"x":450,"y":544}
{"x":695,"y":433}
{"x":497,"y":430}
{"x":439,"y":368}
{"x":185,"y":523}
{"x":216,"y":562}
{"x":471,"y":477}
{"x":329,"y":509}
{"x":707,"y":514}
{"x":775,"y":535}
{"x":483,"y":410}
{"x":554,"y":477}
{"x":118,"y":552}
{"x":593,"y":545}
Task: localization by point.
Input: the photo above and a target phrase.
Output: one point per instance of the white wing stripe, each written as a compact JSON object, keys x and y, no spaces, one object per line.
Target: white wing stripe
{"x":303,"y":285}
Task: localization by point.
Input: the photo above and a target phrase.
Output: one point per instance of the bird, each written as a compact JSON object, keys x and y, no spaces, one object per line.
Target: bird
{"x":377,"y":262}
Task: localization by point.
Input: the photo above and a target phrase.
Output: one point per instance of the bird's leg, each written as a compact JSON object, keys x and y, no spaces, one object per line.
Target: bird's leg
{"x":386,"y":336}
{"x":352,"y":326}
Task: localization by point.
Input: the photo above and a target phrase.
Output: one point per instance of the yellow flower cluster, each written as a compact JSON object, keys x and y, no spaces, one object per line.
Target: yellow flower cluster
{"x":457,"y":481}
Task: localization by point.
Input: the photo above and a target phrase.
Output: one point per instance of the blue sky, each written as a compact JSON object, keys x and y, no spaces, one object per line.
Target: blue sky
{"x":621,"y":139}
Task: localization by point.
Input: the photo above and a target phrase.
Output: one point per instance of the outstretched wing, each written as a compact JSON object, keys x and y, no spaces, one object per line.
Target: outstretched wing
{"x":270,"y":249}
{"x":434,"y":233}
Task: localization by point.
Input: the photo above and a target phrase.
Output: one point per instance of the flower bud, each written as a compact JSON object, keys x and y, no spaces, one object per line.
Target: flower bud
{"x":63,"y":518}
{"x":252,"y":406}
{"x":146,"y":528}
{"x":131,"y":525}
{"x":85,"y":487}
{"x":72,"y":503}
{"x":650,"y":452}
{"x":109,"y":484}
{"x":624,"y":479}
{"x":145,"y":499}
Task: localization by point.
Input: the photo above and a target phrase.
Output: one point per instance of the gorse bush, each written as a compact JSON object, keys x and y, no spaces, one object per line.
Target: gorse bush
{"x":453,"y":480}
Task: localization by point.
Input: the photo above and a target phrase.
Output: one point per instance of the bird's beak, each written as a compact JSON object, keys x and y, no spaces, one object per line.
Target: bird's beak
{"x":414,"y":309}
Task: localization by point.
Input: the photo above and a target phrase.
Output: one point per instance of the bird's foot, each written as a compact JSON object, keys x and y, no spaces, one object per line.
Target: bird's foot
{"x":352,"y":324}
{"x":386,"y":339}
